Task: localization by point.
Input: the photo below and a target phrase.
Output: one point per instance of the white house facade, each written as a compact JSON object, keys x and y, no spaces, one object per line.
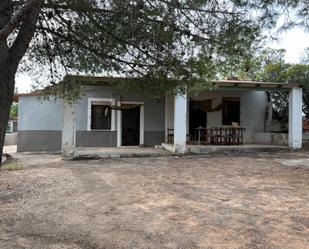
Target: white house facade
{"x":104,"y":117}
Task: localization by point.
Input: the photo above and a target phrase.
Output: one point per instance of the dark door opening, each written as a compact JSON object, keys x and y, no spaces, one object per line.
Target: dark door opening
{"x":231,"y":111}
{"x":197,"y":118}
{"x":130,"y":126}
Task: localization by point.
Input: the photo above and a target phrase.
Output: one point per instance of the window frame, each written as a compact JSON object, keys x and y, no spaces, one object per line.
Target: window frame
{"x":98,"y":101}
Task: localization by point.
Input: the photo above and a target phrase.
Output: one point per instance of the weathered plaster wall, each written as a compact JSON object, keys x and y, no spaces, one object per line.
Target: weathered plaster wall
{"x":153,"y":115}
{"x":252,"y":110}
{"x":39,"y":115}
{"x":40,"y":124}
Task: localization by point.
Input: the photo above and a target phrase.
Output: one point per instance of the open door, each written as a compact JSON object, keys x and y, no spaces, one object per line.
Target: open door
{"x":197,"y":118}
{"x":131,"y":127}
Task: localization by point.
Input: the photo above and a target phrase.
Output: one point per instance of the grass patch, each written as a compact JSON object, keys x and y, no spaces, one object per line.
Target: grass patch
{"x":12,"y":166}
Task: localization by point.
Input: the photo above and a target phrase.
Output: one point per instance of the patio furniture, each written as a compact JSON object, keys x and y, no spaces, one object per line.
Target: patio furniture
{"x":170,"y":135}
{"x":225,"y":136}
{"x":199,"y":133}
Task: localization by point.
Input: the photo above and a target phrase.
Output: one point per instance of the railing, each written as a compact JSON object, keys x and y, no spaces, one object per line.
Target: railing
{"x":213,"y":136}
{"x":220,"y":136}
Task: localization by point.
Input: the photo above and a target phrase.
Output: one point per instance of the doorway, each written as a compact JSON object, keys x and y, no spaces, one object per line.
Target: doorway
{"x":131,"y":127}
{"x":197,"y":118}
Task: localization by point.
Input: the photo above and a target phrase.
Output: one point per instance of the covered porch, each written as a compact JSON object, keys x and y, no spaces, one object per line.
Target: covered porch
{"x":233,"y":114}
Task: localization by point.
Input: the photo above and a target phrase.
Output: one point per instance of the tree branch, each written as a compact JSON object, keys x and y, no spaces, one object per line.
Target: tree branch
{"x":17,"y":19}
{"x":26,"y":31}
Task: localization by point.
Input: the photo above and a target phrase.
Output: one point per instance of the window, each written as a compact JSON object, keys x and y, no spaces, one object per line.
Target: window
{"x":230,"y":111}
{"x":100,"y":117}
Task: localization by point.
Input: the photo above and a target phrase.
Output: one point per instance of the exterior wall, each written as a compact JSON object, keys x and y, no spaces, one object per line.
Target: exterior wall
{"x":10,"y":139}
{"x":40,"y":124}
{"x":153,"y":118}
{"x":253,"y":105}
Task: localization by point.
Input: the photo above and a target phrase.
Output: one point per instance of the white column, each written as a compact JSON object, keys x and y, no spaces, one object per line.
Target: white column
{"x":68,"y":130}
{"x":295,"y":118}
{"x":166,"y":112}
{"x":142,"y":126}
{"x":180,"y":123}
{"x":119,"y":126}
{"x":113,"y":124}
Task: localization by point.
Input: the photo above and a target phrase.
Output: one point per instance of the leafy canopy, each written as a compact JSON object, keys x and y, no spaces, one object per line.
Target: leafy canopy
{"x":186,"y":40}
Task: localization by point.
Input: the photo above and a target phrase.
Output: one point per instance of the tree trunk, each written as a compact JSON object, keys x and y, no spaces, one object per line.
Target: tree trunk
{"x":10,"y":56}
{"x":7,"y":85}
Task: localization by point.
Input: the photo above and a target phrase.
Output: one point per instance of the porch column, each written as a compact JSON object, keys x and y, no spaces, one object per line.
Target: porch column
{"x":119,"y":125}
{"x":68,"y":130}
{"x":295,"y":118}
{"x":180,"y":123}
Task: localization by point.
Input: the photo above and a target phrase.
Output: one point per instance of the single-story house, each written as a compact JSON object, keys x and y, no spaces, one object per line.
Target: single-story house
{"x":105,"y":117}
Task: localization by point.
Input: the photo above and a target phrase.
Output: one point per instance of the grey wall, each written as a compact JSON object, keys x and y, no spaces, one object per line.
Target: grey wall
{"x":39,"y":141}
{"x":96,"y":139}
{"x":40,"y":124}
{"x":153,"y":120}
{"x":154,"y":109}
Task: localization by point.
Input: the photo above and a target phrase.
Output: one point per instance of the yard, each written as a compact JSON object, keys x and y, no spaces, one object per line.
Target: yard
{"x":212,"y":202}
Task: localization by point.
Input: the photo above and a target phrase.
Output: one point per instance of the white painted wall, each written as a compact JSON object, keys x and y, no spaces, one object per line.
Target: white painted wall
{"x":253,"y":105}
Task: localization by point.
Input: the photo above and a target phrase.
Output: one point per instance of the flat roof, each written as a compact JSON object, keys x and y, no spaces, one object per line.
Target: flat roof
{"x":254,"y":84}
{"x":221,"y":84}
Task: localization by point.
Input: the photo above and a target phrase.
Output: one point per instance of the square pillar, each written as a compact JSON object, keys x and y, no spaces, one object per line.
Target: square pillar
{"x":295,"y":118}
{"x":180,"y":123}
{"x":68,"y":130}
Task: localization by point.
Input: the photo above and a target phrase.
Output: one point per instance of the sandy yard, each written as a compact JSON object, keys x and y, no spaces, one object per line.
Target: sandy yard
{"x":255,"y":201}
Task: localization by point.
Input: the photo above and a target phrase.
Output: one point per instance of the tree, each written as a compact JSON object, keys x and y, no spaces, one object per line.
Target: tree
{"x":157,"y":40}
{"x":269,"y":65}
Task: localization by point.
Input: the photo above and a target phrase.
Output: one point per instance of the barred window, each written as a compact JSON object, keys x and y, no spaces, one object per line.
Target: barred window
{"x":100,"y":117}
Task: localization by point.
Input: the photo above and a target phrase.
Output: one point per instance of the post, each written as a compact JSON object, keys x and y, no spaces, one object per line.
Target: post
{"x":295,"y":118}
{"x":180,"y":123}
{"x":68,"y":130}
{"x":119,"y":126}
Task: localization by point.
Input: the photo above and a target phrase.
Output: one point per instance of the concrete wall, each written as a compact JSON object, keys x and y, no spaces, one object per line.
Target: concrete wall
{"x":153,"y":118}
{"x":10,"y":139}
{"x":271,"y":138}
{"x":252,"y":110}
{"x":40,"y":124}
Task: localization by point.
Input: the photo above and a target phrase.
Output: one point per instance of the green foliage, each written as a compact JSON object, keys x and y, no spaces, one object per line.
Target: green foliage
{"x":14,"y":110}
{"x":156,"y":41}
{"x":269,"y":65}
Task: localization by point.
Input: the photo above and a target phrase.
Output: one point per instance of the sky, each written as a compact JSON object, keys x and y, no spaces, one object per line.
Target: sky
{"x":293,"y":41}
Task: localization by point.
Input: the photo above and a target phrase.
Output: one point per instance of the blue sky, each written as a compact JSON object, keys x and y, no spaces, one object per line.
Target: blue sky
{"x":293,"y":41}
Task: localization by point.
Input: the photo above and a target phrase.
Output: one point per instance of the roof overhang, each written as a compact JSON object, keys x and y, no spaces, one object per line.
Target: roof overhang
{"x":254,"y":85}
{"x":220,"y":84}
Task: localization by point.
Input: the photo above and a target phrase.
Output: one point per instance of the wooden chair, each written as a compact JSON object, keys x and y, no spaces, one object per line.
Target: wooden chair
{"x":170,"y":135}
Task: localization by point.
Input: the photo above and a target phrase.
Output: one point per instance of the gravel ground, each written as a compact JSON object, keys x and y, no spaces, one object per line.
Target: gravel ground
{"x":259,"y":201}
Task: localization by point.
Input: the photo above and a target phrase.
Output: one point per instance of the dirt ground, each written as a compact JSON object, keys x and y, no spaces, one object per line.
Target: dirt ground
{"x":257,"y":201}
